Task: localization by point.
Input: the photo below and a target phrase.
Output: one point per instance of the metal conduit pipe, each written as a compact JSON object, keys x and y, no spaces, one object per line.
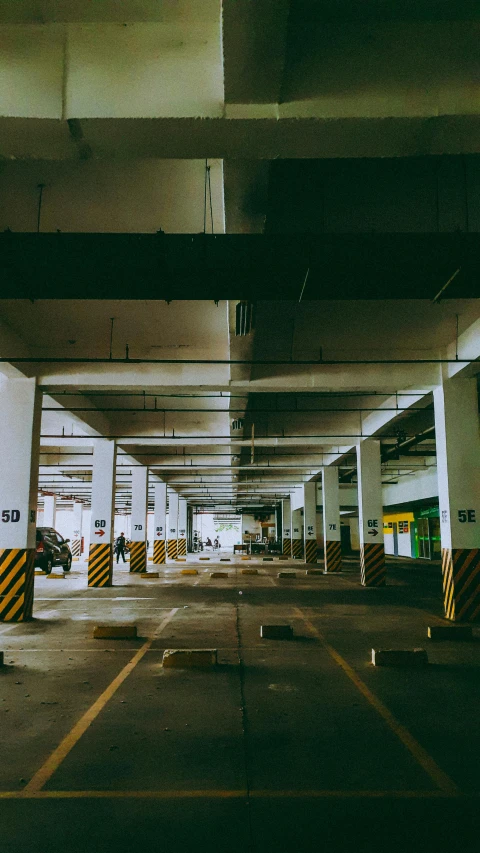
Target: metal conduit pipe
{"x":227,"y":361}
{"x":390,"y":452}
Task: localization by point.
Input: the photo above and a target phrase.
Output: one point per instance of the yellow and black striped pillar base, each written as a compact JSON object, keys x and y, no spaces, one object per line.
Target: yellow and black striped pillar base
{"x":16,"y":584}
{"x":297,"y":548}
{"x":461,"y":583}
{"x":172,"y":549}
{"x":310,"y":550}
{"x":333,"y":557}
{"x":372,"y":564}
{"x":138,"y":556}
{"x":182,"y":547}
{"x":159,"y":551}
{"x":287,"y":547}
{"x":76,"y":548}
{"x":100,"y":564}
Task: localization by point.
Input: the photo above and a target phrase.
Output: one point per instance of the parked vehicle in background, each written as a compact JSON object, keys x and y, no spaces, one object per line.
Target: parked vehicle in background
{"x":52,"y":550}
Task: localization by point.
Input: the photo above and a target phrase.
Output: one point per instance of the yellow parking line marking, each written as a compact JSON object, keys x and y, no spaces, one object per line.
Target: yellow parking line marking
{"x":53,"y":762}
{"x":429,"y":765}
{"x":223,"y":795}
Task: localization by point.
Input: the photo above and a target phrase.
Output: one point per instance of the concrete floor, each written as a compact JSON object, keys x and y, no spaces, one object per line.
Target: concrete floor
{"x":299,"y":745}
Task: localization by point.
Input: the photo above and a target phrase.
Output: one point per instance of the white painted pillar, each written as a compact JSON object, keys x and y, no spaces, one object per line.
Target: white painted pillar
{"x":182,"y":528}
{"x":287,"y":528}
{"x":77,"y":530}
{"x":458,"y":469}
{"x":20,"y":415}
{"x":331,"y":520}
{"x":49,"y":510}
{"x":370,"y":510}
{"x":100,"y":562}
{"x":297,"y":536}
{"x":172,"y":525}
{"x":160,"y":522}
{"x":138,"y":534}
{"x":310,"y":521}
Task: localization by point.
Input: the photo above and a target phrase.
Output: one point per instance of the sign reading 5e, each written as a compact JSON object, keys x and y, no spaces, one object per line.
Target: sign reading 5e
{"x":466,"y":515}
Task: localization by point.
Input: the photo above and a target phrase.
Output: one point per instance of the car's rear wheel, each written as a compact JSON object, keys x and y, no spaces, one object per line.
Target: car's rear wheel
{"x":48,"y":566}
{"x":68,"y":565}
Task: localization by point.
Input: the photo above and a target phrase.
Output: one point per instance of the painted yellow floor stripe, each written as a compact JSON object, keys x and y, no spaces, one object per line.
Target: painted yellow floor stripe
{"x":223,"y":795}
{"x":429,"y":765}
{"x":53,"y":762}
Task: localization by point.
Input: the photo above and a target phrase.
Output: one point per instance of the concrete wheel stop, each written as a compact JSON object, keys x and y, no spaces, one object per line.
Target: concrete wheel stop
{"x":149,"y":575}
{"x":455,"y":633}
{"x":276,"y":632}
{"x":268,"y":559}
{"x":190,"y":658}
{"x":204,"y":558}
{"x":115,"y":632}
{"x":286,"y":575}
{"x":314,"y":572}
{"x":249,"y":571}
{"x":189,"y":572}
{"x":399,"y":657}
{"x":219,"y":574}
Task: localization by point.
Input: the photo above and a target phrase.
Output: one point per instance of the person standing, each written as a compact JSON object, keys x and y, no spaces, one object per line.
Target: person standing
{"x":120,"y":544}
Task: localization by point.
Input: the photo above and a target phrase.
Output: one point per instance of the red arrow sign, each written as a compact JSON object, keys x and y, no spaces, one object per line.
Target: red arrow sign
{"x":99,"y":533}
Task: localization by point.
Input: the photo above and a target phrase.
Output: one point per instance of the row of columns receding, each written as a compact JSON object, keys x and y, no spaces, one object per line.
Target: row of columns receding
{"x":458,"y":468}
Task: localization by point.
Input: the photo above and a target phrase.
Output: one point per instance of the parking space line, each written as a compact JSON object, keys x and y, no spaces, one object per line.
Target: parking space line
{"x":53,"y":762}
{"x":422,"y":757}
{"x":222,"y":795}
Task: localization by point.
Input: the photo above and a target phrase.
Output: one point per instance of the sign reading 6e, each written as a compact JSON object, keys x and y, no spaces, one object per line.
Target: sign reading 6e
{"x":10,"y":515}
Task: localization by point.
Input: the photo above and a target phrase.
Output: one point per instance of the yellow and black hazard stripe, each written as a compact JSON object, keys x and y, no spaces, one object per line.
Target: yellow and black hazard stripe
{"x":172,"y":549}
{"x":297,"y":547}
{"x":16,"y":584}
{"x":333,"y":556}
{"x":310,"y":550}
{"x":76,"y":548}
{"x":100,"y":564}
{"x":287,"y":547}
{"x":372,"y":564}
{"x":182,"y":547}
{"x":138,"y":556}
{"x":461,"y":583}
{"x":159,"y":555}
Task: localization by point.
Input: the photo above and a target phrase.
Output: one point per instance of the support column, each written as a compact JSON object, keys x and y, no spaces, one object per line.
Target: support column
{"x":172,"y":525}
{"x":160,"y":523}
{"x":286,"y":528}
{"x":182,"y":528}
{"x":49,"y":510}
{"x":370,"y":509}
{"x":297,"y":538}
{"x":77,"y":530}
{"x":458,"y":466}
{"x":331,"y":520}
{"x":100,"y":562}
{"x":138,"y":535}
{"x":20,"y":408}
{"x":310,"y":522}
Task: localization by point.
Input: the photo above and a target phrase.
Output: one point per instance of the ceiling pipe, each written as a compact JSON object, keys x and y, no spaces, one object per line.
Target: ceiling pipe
{"x":227,"y":361}
{"x":393,"y":451}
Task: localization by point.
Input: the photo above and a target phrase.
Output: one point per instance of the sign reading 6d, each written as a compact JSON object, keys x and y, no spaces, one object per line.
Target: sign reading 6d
{"x":10,"y":515}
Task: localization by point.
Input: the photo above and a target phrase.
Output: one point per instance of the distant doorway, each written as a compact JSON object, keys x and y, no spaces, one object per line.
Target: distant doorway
{"x":345,"y":539}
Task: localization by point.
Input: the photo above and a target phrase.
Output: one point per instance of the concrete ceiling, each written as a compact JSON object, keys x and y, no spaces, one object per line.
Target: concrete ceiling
{"x":121,"y":110}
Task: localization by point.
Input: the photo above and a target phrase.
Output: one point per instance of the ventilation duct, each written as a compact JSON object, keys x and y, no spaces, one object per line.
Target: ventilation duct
{"x":244,"y":318}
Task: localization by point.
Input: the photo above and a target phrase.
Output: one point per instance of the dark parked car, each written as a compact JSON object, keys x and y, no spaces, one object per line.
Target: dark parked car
{"x":52,"y":550}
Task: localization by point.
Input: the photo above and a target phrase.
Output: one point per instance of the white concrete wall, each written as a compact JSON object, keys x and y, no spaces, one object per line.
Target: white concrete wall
{"x":108,"y":196}
{"x":418,"y":486}
{"x":120,"y":70}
